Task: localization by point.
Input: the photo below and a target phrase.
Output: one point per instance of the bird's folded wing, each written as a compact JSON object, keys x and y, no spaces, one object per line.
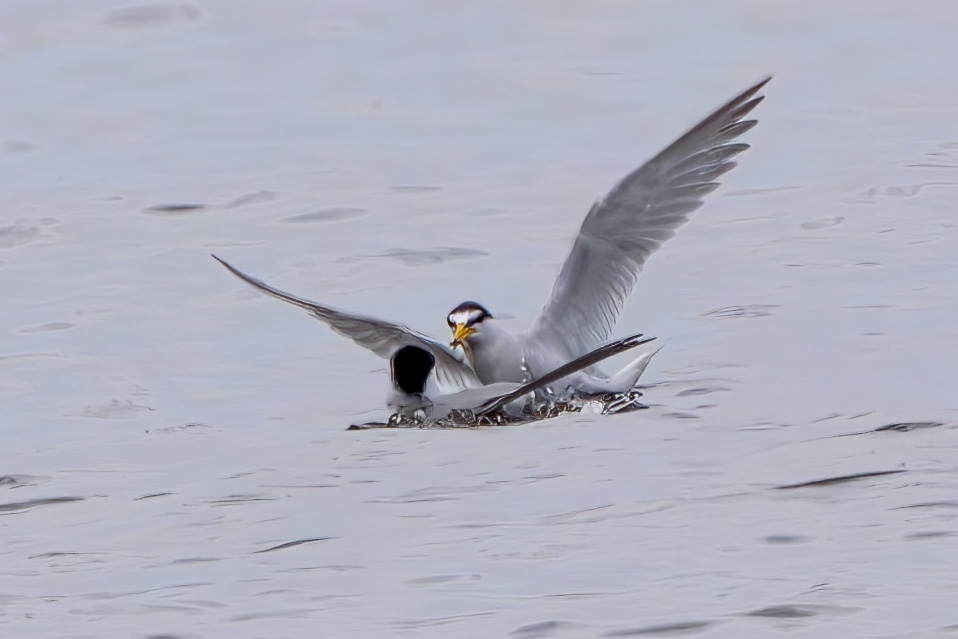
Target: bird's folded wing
{"x":381,"y":337}
{"x":626,"y":226}
{"x":589,"y":359}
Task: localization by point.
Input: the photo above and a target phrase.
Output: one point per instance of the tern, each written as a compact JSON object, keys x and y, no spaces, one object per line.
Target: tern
{"x":416,"y":401}
{"x":616,"y":238}
{"x":425,"y":368}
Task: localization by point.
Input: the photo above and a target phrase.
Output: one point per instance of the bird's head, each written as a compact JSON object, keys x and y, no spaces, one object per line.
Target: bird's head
{"x":465,"y":320}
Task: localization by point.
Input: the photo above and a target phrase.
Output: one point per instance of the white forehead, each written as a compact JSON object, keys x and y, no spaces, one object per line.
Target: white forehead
{"x":465,"y":316}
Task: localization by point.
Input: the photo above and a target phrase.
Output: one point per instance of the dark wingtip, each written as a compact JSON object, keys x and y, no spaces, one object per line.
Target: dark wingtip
{"x":229,"y":267}
{"x":637,"y":340}
{"x":762,"y":83}
{"x":751,"y":91}
{"x":243,"y":276}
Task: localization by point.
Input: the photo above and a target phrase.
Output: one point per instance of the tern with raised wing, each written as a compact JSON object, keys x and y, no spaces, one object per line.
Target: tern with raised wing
{"x":423,"y":370}
{"x":616,"y":238}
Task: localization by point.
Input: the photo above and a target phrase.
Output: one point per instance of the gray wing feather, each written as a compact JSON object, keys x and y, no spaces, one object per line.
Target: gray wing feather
{"x":382,"y":338}
{"x":633,"y":220}
{"x":584,"y":361}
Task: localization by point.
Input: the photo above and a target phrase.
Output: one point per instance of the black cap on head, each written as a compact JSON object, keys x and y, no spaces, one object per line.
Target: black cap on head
{"x":468,"y":313}
{"x":411,"y":366}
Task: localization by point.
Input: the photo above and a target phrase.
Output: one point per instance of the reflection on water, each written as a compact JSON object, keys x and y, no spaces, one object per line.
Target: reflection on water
{"x":174,"y":452}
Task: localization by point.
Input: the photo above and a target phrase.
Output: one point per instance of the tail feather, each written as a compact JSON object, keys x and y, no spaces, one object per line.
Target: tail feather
{"x":626,"y":379}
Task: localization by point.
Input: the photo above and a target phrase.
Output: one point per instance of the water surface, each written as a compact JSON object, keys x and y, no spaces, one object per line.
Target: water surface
{"x":174,"y":461}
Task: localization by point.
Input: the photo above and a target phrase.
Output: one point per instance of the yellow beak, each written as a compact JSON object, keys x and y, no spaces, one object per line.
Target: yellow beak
{"x":461,"y":332}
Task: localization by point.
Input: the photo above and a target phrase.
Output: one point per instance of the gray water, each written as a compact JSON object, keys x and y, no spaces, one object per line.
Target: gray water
{"x":169,"y":436}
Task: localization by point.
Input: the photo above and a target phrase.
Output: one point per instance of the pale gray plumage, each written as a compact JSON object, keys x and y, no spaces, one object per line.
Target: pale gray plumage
{"x":634,"y":219}
{"x":616,"y":238}
{"x":496,"y":403}
{"x":582,"y":362}
{"x":382,"y":338}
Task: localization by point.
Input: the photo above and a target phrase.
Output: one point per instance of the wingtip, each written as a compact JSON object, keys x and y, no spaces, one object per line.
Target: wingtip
{"x":636,"y":340}
{"x":761,"y":84}
{"x":232,"y":269}
{"x":751,"y":91}
{"x":229,"y":267}
{"x":645,"y":340}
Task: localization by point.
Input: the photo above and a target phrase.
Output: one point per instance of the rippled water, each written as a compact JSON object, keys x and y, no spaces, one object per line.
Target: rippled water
{"x":174,"y":459}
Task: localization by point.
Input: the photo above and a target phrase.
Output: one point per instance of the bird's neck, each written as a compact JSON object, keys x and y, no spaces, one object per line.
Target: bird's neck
{"x":496,"y":354}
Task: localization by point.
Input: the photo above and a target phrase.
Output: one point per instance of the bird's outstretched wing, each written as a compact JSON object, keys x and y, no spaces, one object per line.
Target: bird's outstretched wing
{"x":382,"y":338}
{"x":584,"y":361}
{"x":633,"y":220}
